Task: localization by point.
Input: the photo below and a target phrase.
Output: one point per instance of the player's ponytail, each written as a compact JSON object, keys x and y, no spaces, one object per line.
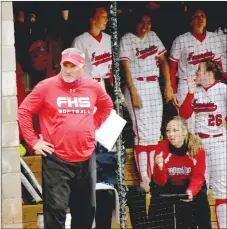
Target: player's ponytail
{"x":194,"y":144}
{"x":215,"y":68}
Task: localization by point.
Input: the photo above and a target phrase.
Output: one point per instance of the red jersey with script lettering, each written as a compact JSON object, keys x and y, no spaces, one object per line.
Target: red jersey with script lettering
{"x":98,"y":57}
{"x":188,"y":51}
{"x":142,"y":54}
{"x":66,"y":116}
{"x":210,"y":107}
{"x":179,"y":169}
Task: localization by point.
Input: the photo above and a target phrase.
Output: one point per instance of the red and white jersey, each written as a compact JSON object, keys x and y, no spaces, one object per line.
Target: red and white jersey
{"x":210,"y":107}
{"x":98,"y":55}
{"x":223,"y":36}
{"x":143,"y":55}
{"x":188,"y":51}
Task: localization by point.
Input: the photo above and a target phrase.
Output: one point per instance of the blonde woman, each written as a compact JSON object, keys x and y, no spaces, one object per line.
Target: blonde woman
{"x":179,"y":169}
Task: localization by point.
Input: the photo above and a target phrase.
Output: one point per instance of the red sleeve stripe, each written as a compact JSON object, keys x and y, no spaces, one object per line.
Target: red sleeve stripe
{"x":218,"y":59}
{"x":163,"y":51}
{"x":124,"y":58}
{"x":173,"y":59}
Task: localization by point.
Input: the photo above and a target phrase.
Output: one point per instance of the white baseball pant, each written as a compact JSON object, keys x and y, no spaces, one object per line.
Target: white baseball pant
{"x":148,"y":119}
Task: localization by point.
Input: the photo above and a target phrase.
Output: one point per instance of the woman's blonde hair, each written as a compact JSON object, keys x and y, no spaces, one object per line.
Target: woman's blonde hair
{"x":194,"y":142}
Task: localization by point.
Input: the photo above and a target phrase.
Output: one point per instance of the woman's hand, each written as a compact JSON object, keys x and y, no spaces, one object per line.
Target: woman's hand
{"x":190,"y":196}
{"x":159,"y":160}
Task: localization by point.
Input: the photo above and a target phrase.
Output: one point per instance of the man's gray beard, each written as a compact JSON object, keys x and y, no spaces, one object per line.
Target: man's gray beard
{"x":69,"y":80}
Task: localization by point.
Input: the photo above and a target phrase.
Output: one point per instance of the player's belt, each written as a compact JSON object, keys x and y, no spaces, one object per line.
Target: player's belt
{"x":98,"y":79}
{"x":201,"y":135}
{"x":147,"y":78}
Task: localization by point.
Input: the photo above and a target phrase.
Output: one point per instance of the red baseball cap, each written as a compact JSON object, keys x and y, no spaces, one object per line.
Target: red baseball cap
{"x":72,"y":55}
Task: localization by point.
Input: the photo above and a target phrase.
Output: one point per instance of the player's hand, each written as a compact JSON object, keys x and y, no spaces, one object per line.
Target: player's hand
{"x":136,"y":100}
{"x":191,"y":84}
{"x":145,"y":184}
{"x":168,"y":93}
{"x":175,"y":101}
{"x":42,"y":147}
{"x":159,"y":160}
{"x":190,"y":196}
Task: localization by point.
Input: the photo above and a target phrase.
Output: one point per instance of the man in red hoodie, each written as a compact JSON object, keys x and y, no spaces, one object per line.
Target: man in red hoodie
{"x":65,"y":105}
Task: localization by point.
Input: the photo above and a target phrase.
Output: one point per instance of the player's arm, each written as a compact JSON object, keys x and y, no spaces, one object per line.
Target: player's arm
{"x":187,"y":107}
{"x":198,"y":173}
{"x":166,"y":73}
{"x":137,"y":103}
{"x":126,"y":55}
{"x":175,"y":55}
{"x":173,"y":66}
{"x":104,"y":106}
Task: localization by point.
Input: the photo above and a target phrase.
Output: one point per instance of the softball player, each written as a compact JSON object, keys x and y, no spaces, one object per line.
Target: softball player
{"x":141,"y":53}
{"x":186,"y":53}
{"x":97,"y":48}
{"x":208,"y":101}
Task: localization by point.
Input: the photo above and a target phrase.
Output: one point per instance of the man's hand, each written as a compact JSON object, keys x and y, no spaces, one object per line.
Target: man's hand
{"x":42,"y":147}
{"x":175,"y":100}
{"x":168,"y":93}
{"x":159,"y":160}
{"x":191,"y":84}
{"x":145,"y":184}
{"x":136,"y":100}
{"x":190,"y":196}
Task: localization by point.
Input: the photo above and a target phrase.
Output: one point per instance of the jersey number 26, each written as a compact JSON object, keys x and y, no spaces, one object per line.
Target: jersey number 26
{"x":215,"y":120}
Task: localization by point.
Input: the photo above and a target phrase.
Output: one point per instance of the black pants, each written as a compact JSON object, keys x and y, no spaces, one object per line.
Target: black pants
{"x":105,"y":201}
{"x":166,"y":213}
{"x":136,"y":201}
{"x":68,"y":185}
